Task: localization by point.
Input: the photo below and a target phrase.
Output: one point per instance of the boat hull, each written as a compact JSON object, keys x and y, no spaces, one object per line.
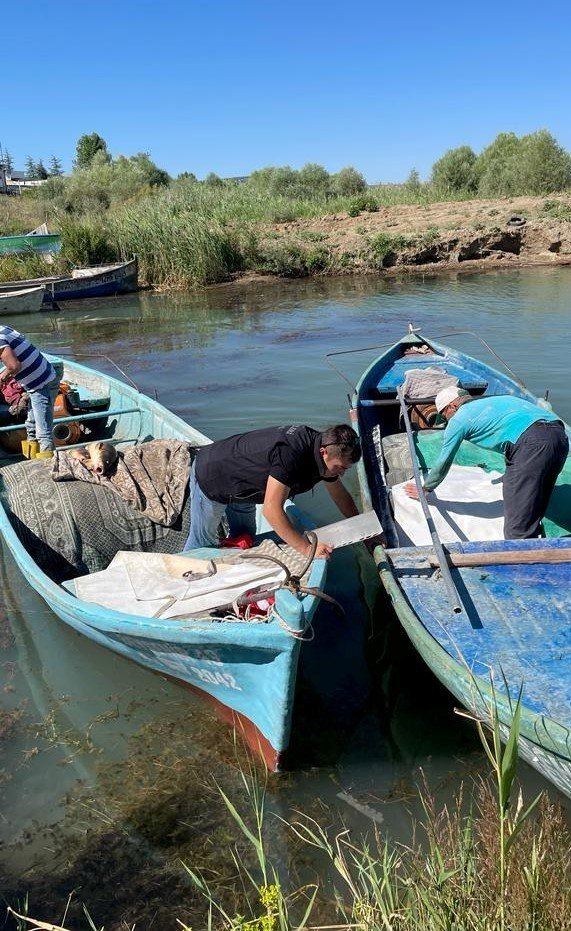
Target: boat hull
{"x":100,"y":281}
{"x":498,"y":645}
{"x":120,"y":279}
{"x":246,"y":670}
{"x":27,"y":301}
{"x":543,"y":742}
{"x":40,"y":244}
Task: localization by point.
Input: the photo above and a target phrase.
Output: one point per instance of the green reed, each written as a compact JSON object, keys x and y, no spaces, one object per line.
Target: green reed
{"x":483,"y":864}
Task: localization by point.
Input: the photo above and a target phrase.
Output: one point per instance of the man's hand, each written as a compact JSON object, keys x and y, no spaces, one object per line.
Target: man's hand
{"x":323,"y":551}
{"x":274,"y":501}
{"x":411,"y":489}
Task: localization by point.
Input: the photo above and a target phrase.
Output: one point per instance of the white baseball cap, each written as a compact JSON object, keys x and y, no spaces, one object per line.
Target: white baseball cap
{"x":446,"y":396}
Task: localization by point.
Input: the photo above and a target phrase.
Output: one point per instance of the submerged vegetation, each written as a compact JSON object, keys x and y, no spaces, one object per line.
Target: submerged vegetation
{"x":189,"y":233}
{"x":486,"y":862}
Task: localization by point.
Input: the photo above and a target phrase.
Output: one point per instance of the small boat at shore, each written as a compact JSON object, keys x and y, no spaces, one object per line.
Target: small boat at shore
{"x":489,"y":616}
{"x":25,"y":301}
{"x":39,"y":241}
{"x":245,"y":668}
{"x":90,"y":281}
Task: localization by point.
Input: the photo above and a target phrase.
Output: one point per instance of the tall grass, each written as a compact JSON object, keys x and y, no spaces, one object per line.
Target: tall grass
{"x":485,"y":866}
{"x":178,"y":243}
{"x":196,"y":234}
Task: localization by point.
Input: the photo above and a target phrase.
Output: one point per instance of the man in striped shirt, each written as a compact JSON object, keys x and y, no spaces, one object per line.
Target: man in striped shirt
{"x":37,"y":376}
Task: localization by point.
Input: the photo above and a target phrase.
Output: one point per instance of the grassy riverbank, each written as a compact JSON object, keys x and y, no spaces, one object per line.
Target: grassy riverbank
{"x":193,"y":234}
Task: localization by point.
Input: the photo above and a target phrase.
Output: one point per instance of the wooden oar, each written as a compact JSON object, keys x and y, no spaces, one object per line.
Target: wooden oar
{"x":506,"y":558}
{"x":454,"y":597}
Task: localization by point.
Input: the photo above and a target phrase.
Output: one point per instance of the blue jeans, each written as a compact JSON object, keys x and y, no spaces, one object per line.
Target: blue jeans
{"x":205,"y":517}
{"x":40,"y":420}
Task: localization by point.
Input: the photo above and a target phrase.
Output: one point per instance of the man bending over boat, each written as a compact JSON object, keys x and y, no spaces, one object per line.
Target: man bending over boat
{"x":531,"y":438}
{"x":37,"y":376}
{"x":267,"y":467}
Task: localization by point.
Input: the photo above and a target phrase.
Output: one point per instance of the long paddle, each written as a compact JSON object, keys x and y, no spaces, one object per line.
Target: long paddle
{"x":453,"y":596}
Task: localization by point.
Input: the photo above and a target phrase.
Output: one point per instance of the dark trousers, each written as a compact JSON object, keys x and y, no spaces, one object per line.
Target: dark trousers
{"x":532,"y":467}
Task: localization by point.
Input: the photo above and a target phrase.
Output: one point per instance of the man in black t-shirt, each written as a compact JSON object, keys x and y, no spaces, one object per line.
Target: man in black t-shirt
{"x":267,"y":467}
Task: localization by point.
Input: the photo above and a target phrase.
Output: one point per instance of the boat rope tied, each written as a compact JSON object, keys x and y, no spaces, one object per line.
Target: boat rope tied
{"x":293,"y":582}
{"x":296,"y":634}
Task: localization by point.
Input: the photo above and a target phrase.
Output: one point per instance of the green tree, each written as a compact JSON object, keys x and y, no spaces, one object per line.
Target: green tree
{"x":213,"y":180}
{"x":6,"y":161}
{"x":314,"y":181}
{"x":187,"y":176}
{"x":348,"y":181}
{"x":41,"y":171}
{"x":30,"y":168}
{"x":276,"y":181}
{"x":56,"y":168}
{"x":413,"y":182}
{"x":454,"y":172}
{"x":86,"y":149}
{"x":544,"y":165}
{"x":154,"y":176}
{"x":497,"y":166}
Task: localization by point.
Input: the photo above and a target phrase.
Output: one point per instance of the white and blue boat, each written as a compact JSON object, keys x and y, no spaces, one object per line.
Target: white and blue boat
{"x":246,"y":670}
{"x":494,"y":618}
{"x":88,"y":281}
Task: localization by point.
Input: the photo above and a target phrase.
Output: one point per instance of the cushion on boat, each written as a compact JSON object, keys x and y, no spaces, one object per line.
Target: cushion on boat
{"x":72,"y":528}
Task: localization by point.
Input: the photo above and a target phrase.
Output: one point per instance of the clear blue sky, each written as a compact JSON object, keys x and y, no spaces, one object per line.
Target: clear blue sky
{"x":233,"y":86}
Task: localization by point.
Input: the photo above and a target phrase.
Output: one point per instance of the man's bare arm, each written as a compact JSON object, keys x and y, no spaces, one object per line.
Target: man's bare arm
{"x":11,"y":361}
{"x":275,"y":498}
{"x":344,"y":501}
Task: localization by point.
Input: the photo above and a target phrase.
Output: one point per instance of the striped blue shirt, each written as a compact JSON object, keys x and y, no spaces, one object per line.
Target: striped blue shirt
{"x":36,"y":371}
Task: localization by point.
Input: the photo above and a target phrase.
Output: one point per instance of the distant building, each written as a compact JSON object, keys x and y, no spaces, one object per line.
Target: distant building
{"x":13,"y":182}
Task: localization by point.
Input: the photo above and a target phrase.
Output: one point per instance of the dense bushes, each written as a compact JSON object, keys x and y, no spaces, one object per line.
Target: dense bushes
{"x":312,"y":182}
{"x":455,"y":171}
{"x":510,"y":165}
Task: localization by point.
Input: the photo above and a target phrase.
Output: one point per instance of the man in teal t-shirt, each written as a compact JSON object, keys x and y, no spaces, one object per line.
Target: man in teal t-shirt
{"x":531,"y":438}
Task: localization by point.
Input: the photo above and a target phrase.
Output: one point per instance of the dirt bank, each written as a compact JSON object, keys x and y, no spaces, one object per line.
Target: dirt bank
{"x":507,"y":231}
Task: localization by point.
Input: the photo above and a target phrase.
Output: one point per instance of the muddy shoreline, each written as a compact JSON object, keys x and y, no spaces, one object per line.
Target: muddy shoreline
{"x":414,"y":239}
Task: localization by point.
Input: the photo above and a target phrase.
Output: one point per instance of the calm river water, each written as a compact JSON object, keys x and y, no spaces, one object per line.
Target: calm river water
{"x":106,"y":770}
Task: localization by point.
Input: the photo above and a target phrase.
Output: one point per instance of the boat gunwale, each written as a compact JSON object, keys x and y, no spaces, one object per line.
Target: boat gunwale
{"x":113,"y":621}
{"x":442,"y":663}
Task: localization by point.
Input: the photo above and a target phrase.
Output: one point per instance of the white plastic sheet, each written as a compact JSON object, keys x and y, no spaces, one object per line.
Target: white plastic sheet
{"x":152,"y":584}
{"x":467,"y":505}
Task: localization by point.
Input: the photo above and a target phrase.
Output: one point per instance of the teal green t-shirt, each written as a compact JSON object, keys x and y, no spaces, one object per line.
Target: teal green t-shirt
{"x":488,"y":422}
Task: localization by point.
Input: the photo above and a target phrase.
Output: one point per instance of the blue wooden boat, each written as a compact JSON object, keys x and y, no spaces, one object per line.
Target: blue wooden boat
{"x":90,"y":281}
{"x":513,"y":630}
{"x":246,"y":670}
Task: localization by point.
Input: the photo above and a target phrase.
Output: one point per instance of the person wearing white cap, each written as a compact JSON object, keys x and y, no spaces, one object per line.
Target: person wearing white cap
{"x":532,"y":440}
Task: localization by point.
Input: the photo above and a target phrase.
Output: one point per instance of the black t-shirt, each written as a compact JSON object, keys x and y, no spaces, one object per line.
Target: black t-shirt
{"x":238,"y":468}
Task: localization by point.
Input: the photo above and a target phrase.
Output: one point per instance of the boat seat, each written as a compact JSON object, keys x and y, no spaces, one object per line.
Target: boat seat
{"x":85,"y":399}
{"x":396,"y":375}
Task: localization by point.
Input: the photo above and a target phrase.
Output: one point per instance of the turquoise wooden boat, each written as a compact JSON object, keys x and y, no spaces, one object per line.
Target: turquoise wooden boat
{"x":246,"y":670}
{"x":513,"y":631}
{"x":41,"y":244}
